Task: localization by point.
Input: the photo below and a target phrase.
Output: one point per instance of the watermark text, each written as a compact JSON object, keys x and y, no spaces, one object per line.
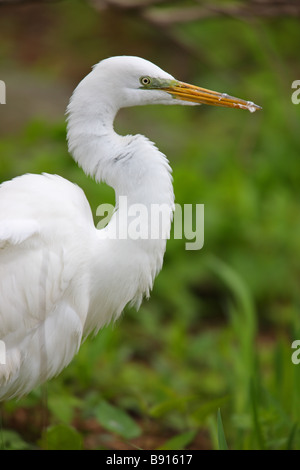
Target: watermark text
{"x":296,"y":94}
{"x":141,"y":222}
{"x":2,"y":92}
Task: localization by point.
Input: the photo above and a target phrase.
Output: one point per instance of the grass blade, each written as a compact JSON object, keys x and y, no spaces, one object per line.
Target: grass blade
{"x":256,"y":423}
{"x":221,"y":435}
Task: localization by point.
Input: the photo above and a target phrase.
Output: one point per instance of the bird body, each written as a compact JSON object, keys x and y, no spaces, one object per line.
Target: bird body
{"x":61,"y":278}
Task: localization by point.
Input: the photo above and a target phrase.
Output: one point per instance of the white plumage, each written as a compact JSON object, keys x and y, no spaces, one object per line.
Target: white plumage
{"x":60,"y":277}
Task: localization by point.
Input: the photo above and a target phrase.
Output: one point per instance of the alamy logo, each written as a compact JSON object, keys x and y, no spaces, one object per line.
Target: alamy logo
{"x":296,"y":94}
{"x":2,"y":92}
{"x":137,"y":221}
{"x":295,"y":356}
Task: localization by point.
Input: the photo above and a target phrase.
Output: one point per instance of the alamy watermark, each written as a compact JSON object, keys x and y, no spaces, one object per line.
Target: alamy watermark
{"x":296,"y":354}
{"x":2,"y":353}
{"x":2,"y":92}
{"x":296,"y":94}
{"x":153,"y":222}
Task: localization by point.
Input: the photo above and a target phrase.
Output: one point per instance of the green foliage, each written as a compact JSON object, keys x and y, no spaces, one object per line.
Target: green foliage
{"x":116,"y":420}
{"x":179,"y":442}
{"x":217,"y":331}
{"x":61,"y":437}
{"x":221,"y":436}
{"x":10,"y":440}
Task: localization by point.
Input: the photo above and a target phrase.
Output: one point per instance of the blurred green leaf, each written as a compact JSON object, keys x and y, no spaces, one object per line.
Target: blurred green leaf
{"x":61,"y":437}
{"x":167,"y":406}
{"x":116,"y":420}
{"x":208,"y":408}
{"x":291,"y":437}
{"x":179,"y":442}
{"x":255,"y":415}
{"x":11,"y":440}
{"x":63,"y":406}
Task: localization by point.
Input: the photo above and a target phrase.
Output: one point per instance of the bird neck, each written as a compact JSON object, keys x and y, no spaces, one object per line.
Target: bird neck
{"x":141,"y":177}
{"x":132,"y":165}
{"x":138,"y":172}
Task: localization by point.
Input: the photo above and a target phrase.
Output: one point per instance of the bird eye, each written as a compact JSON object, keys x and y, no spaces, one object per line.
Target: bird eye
{"x":145,"y":81}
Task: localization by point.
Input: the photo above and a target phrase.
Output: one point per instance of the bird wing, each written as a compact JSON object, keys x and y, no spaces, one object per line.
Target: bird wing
{"x":16,"y":231}
{"x":43,"y":278}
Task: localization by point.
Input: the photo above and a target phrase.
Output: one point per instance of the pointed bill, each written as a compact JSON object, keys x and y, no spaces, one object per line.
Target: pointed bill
{"x":187,"y":92}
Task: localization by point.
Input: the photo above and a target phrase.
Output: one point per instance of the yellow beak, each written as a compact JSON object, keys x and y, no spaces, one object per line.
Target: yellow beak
{"x":186,"y":92}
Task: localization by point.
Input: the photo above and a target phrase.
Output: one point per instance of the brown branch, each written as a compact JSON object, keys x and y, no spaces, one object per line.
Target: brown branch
{"x":24,"y":2}
{"x":175,"y":15}
{"x":172,"y":15}
{"x":258,"y":9}
{"x":125,"y":4}
{"x":163,"y":14}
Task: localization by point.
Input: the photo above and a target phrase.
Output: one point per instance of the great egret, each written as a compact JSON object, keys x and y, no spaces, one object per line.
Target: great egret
{"x":60,"y":277}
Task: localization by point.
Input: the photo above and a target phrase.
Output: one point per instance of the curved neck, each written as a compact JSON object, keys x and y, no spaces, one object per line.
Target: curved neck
{"x":141,"y":177}
{"x":132,"y":165}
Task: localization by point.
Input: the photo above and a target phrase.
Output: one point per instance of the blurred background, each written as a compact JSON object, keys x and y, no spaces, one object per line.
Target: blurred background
{"x":210,"y":352}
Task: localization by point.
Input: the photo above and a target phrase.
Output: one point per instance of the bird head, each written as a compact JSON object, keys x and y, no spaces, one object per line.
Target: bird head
{"x":133,"y":81}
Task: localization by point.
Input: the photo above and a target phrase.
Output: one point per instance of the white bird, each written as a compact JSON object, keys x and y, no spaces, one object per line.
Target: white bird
{"x":61,"y":278}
